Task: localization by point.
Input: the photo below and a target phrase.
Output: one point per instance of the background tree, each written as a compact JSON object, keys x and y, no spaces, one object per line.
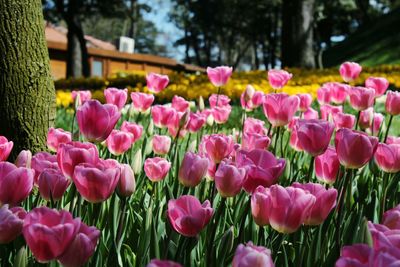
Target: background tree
{"x":27,"y":106}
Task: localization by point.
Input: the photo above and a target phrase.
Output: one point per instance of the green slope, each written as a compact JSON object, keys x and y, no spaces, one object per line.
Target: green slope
{"x":374,"y":44}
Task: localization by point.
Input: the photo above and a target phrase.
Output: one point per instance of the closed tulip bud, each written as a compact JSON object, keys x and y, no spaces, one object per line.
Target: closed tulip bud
{"x":71,"y":154}
{"x":15,"y":183}
{"x":361,"y":98}
{"x":221,"y":114}
{"x":179,"y":104}
{"x":55,"y":137}
{"x":21,"y":259}
{"x":229,"y":179}
{"x":162,"y":263}
{"x":350,"y":71}
{"x":376,"y":124}
{"x":338,"y":91}
{"x":343,"y":120}
{"x":365,"y":119}
{"x":141,"y":102}
{"x":327,"y":166}
{"x":156,"y":82}
{"x":252,"y":125}
{"x":184,"y":119}
{"x":280,"y":108}
{"x":311,"y":114}
{"x":218,"y":100}
{"x":325,"y":201}
{"x":116,"y":97}
{"x":118,"y":142}
{"x":392,"y":104}
{"x":137,"y":162}
{"x":210,"y":119}
{"x":188,"y":216}
{"x":135,"y":129}
{"x":328,"y":111}
{"x":219,"y":76}
{"x":261,"y":166}
{"x":252,"y":141}
{"x":52,"y":184}
{"x":387,"y":157}
{"x":80,"y":97}
{"x":41,"y":161}
{"x":82,"y":247}
{"x":391,"y":218}
{"x":354,"y":148}
{"x":218,"y":146}
{"x":379,"y":84}
{"x":201,"y":103}
{"x":305,"y":101}
{"x":278,"y":78}
{"x":324,"y":95}
{"x":163,"y":116}
{"x":196,"y":122}
{"x":5,"y":148}
{"x":156,"y":168}
{"x":285,"y":209}
{"x":314,"y":135}
{"x":24,"y":159}
{"x":249,"y":255}
{"x":96,"y":121}
{"x":127,"y":184}
{"x":150,"y":128}
{"x":192,"y":170}
{"x":161,"y":144}
{"x":49,"y":232}
{"x":96,"y":183}
{"x":11,"y":221}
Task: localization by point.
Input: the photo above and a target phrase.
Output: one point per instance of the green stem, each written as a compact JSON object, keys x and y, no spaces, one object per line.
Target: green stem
{"x":358,"y":118}
{"x":387,"y":130}
{"x":385,"y":180}
{"x":311,"y":169}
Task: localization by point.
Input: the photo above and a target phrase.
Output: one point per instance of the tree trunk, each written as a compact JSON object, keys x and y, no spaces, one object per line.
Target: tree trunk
{"x":27,"y":106}
{"x":134,"y":14}
{"x":297,"y":33}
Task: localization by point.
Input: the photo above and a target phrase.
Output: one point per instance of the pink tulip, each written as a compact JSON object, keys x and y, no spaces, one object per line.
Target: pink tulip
{"x":354,"y":148}
{"x":343,"y":120}
{"x":5,"y":148}
{"x":361,"y":98}
{"x":15,"y":183}
{"x":252,"y":125}
{"x":376,"y":124}
{"x":383,"y":237}
{"x":285,"y":209}
{"x":314,"y":135}
{"x":311,"y":114}
{"x":97,"y":182}
{"x":164,"y":116}
{"x":252,"y":141}
{"x":188,"y":216}
{"x":294,"y":141}
{"x":156,"y":82}
{"x":179,"y":103}
{"x":161,"y":144}
{"x":249,"y":255}
{"x":156,"y":168}
{"x":196,"y":122}
{"x":193,"y":168}
{"x":221,"y":114}
{"x":82,"y":95}
{"x":327,"y":166}
{"x":305,"y":101}
{"x":55,"y":137}
{"x":218,"y":146}
{"x":325,"y":201}
{"x":392,"y":104}
{"x":261,"y":166}
{"x":251,"y":99}
{"x":141,"y":101}
{"x":338,"y":91}
{"x":41,"y":161}
{"x":118,"y":142}
{"x":116,"y":97}
{"x":162,"y":263}
{"x":11,"y":221}
{"x":81,"y":248}
{"x":328,"y":111}
{"x":219,"y":76}
{"x":229,"y":179}
{"x":349,"y":71}
{"x":393,"y":140}
{"x":52,"y":184}
{"x":222,"y":100}
{"x":96,"y":121}
{"x":379,"y":84}
{"x":280,"y":108}
{"x":391,"y":218}
{"x":324,"y":95}
{"x":365,"y":119}
{"x":24,"y":159}
{"x":71,"y":154}
{"x":278,"y":78}
{"x":49,"y":233}
{"x":127,"y":184}
{"x":135,"y":129}
{"x":387,"y":157}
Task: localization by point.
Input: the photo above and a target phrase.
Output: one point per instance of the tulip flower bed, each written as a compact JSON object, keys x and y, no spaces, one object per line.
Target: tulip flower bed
{"x":279,"y":181}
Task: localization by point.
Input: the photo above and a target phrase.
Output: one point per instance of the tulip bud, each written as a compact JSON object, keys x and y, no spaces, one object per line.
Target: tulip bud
{"x":192,"y":169}
{"x":192,"y":146}
{"x":127,"y":184}
{"x":24,"y":159}
{"x":226,"y":245}
{"x":137,"y":162}
{"x":149,"y":148}
{"x":150,"y":128}
{"x":210,"y":120}
{"x":201,"y":103}
{"x":183,"y":121}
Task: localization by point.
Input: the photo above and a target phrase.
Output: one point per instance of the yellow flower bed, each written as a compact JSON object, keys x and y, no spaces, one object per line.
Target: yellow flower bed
{"x":192,"y":86}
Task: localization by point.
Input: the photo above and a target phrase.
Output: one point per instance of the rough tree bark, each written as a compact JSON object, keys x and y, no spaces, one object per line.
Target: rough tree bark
{"x":27,"y":95}
{"x":297,"y":33}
